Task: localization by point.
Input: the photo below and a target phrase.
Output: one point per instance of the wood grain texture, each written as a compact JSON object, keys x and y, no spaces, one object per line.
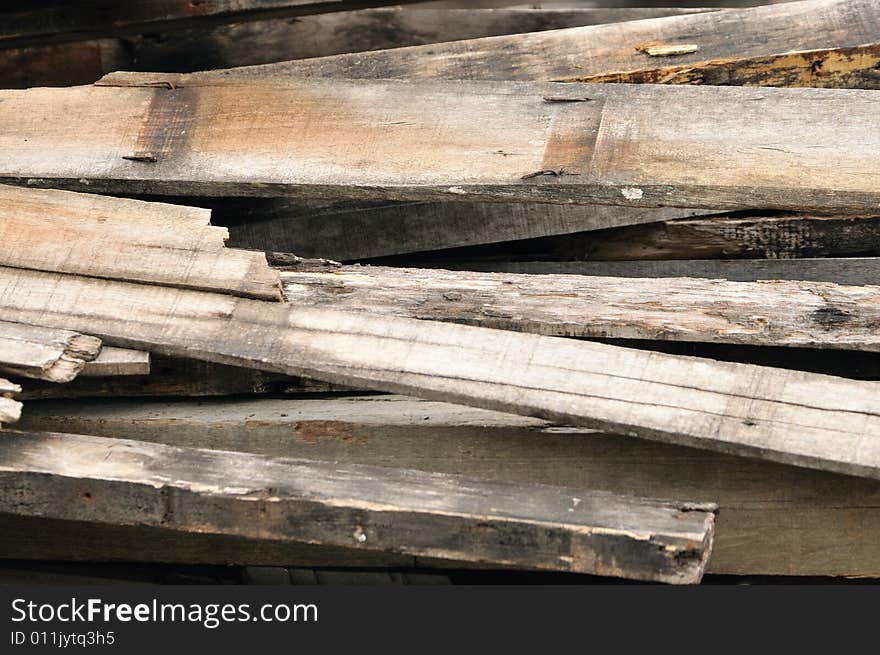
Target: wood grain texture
{"x":43,"y":353}
{"x":853,"y":271}
{"x":835,"y":531}
{"x":10,"y":410}
{"x":758,"y":235}
{"x":336,"y":229}
{"x":679,"y":309}
{"x":735,"y":148}
{"x":811,"y":43}
{"x":787,"y":416}
{"x":533,"y":526}
{"x":118,"y":362}
{"x":320,"y":35}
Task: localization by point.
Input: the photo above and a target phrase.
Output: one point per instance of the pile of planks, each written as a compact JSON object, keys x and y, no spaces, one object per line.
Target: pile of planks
{"x":438,"y":288}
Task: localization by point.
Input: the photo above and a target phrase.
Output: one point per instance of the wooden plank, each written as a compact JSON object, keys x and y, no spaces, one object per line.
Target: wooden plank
{"x":678,"y":309}
{"x":85,"y":247}
{"x":533,"y":526}
{"x":835,"y":531}
{"x":845,"y":271}
{"x":811,"y":43}
{"x":118,"y":361}
{"x":171,"y":377}
{"x":10,"y":410}
{"x":68,"y":20}
{"x":336,"y":230}
{"x":759,"y":235}
{"x":280,"y":39}
{"x":803,"y":149}
{"x":788,"y":416}
{"x":43,"y":353}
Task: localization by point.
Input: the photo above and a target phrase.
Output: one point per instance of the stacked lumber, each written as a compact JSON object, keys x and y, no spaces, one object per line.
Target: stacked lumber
{"x":486,"y":288}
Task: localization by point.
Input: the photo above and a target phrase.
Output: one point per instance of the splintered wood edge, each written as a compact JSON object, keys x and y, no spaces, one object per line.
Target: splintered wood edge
{"x":75,"y":352}
{"x":364,"y":507}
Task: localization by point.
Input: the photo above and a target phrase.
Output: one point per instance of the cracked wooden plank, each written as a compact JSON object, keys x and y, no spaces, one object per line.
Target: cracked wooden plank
{"x":735,"y":148}
{"x":830,"y":43}
{"x":836,"y":532}
{"x":43,"y":353}
{"x":335,"y":230}
{"x":799,"y":314}
{"x":122,"y":482}
{"x":10,"y":410}
{"x":139,"y":250}
{"x":787,"y":416}
{"x":852,"y":271}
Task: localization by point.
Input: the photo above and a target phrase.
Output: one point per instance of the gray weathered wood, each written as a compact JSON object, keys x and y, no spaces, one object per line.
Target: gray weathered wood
{"x":800,"y":314}
{"x":118,"y":362}
{"x":812,"y":43}
{"x":773,"y":519}
{"x":136,"y":483}
{"x":848,"y":271}
{"x":787,"y":416}
{"x":43,"y":353}
{"x":338,"y":230}
{"x":803,"y":149}
{"x":759,"y":235}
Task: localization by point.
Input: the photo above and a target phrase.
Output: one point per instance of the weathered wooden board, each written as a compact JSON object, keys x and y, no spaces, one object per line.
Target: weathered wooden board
{"x":534,"y":526}
{"x":799,"y":314}
{"x":85,"y":247}
{"x":787,"y":416}
{"x":319,"y":35}
{"x":10,"y":410}
{"x":346,"y":230}
{"x":171,"y":377}
{"x":760,"y":235}
{"x":846,"y":271}
{"x":803,"y":149}
{"x":812,"y":43}
{"x":44,"y":353}
{"x":118,"y":362}
{"x":834,"y":531}
{"x":69,"y":20}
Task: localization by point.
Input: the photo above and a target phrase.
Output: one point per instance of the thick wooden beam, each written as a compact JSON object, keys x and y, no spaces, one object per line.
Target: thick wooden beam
{"x":758,"y":235}
{"x":681,"y":309}
{"x":787,"y":416}
{"x":803,"y":149}
{"x":811,"y":43}
{"x":123,"y":482}
{"x":836,"y":529}
{"x":335,"y":230}
{"x":855,"y":271}
{"x":10,"y":410}
{"x":44,"y":353}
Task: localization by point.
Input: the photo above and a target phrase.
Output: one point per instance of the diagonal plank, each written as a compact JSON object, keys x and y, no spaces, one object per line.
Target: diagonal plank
{"x":786,"y":416}
{"x":44,"y":353}
{"x":799,"y":314}
{"x":802,"y":149}
{"x":830,"y":43}
{"x":371,"y":508}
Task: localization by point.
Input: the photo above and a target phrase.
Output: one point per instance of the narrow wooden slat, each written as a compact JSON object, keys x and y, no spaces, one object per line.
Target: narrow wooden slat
{"x":10,"y":410}
{"x":44,"y":353}
{"x":118,"y":362}
{"x":803,"y":149}
{"x":787,"y":416}
{"x":279,"y":39}
{"x":136,"y":483}
{"x":854,"y":271}
{"x":810,"y":43}
{"x":752,"y":235}
{"x":835,"y":533}
{"x":336,"y":230}
{"x":679,"y":309}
